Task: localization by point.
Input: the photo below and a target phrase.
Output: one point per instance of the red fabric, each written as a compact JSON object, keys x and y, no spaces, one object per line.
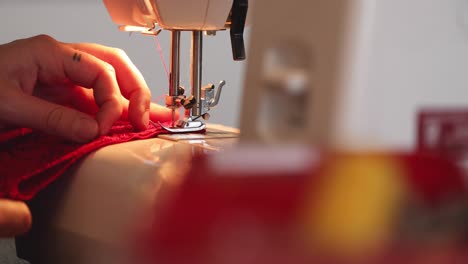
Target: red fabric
{"x":31,"y":160}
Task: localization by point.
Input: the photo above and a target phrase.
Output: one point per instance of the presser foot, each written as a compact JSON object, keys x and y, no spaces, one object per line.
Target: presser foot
{"x":182,"y":126}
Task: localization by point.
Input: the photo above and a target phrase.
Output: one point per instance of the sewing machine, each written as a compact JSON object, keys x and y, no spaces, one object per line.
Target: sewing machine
{"x":330,"y":73}
{"x":150,"y":17}
{"x":90,"y":217}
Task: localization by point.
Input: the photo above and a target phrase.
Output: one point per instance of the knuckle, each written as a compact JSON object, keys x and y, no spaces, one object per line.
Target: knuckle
{"x":147,"y":96}
{"x":118,"y":104}
{"x":120,"y":53}
{"x":44,"y":39}
{"x":112,"y":101}
{"x":54,"y":119}
{"x":109,"y":69}
{"x":118,"y":100}
{"x":139,"y":92}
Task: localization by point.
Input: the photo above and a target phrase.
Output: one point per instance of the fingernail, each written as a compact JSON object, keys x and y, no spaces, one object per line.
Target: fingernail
{"x":85,"y":129}
{"x":146,"y":118}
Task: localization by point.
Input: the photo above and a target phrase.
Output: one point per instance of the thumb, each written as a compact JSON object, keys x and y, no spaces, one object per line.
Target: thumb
{"x":15,"y":218}
{"x":28,"y":111}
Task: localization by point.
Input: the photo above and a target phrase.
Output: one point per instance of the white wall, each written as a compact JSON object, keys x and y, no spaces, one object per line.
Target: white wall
{"x":418,"y":58}
{"x":88,"y":21}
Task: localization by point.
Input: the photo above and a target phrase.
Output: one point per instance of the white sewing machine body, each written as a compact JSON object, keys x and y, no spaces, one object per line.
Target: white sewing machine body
{"x":180,"y":14}
{"x":94,"y":213}
{"x":150,"y":17}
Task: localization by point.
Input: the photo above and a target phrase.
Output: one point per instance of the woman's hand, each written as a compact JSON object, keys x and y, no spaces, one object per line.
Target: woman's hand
{"x":76,"y":91}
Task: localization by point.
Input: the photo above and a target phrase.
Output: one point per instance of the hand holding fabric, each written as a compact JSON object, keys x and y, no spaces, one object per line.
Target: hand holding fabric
{"x":75,"y":91}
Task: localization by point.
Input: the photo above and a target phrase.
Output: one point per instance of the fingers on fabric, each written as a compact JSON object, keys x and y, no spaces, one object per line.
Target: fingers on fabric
{"x":161,"y":113}
{"x":83,"y":100}
{"x":26,"y":110}
{"x":72,"y":95}
{"x":131,"y":82}
{"x":62,"y":64}
{"x":15,"y":218}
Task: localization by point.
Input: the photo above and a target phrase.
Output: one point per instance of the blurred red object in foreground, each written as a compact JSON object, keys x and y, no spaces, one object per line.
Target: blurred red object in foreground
{"x":296,"y":205}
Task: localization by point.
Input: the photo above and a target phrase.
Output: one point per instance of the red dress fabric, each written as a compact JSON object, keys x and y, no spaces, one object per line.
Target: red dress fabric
{"x":30,"y":160}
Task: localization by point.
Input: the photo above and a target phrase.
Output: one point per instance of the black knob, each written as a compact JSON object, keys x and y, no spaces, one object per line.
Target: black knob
{"x":180,"y":90}
{"x":206,"y":116}
{"x":238,"y":17}
{"x":188,"y":102}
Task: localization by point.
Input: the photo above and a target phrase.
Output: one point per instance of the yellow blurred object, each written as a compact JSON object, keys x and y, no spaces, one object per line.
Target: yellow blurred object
{"x":355,"y":204}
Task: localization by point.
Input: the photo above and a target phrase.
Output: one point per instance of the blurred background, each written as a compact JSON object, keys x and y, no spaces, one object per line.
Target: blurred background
{"x":413,"y":54}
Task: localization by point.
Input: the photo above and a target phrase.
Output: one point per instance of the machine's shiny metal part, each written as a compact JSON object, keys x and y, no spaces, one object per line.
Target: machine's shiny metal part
{"x":210,"y":33}
{"x":206,"y":116}
{"x":175,"y":68}
{"x":152,"y":32}
{"x":196,"y":70}
{"x":206,"y":97}
{"x":182,"y":126}
{"x":143,"y":30}
{"x":189,"y":102}
{"x":210,"y":96}
{"x":202,"y":99}
{"x":214,"y":101}
{"x":175,"y":63}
